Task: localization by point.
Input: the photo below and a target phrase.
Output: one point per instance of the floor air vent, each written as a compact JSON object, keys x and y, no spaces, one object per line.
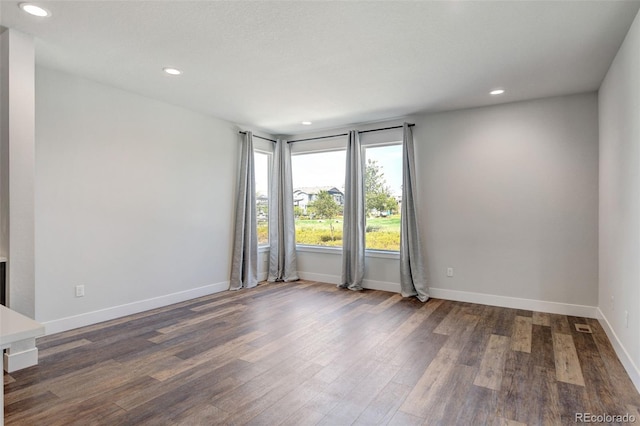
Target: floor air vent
{"x":584,"y":328}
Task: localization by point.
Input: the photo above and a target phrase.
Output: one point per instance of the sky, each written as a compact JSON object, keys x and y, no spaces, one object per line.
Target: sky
{"x":328,"y":168}
{"x":390,"y":159}
{"x":261,"y":170}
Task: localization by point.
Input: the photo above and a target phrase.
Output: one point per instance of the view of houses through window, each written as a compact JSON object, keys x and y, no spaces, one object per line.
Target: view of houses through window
{"x":318,"y":197}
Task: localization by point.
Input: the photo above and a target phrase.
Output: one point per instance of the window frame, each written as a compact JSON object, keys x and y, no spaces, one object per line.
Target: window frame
{"x":378,"y":252}
{"x":331,"y":145}
{"x":269,"y":155}
{"x":331,"y":148}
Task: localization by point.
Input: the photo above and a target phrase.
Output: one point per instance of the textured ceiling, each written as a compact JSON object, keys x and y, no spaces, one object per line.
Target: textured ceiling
{"x":273,"y":64}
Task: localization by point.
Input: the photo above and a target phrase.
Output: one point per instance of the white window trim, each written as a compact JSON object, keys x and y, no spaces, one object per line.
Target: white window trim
{"x":306,"y":248}
{"x":380,"y":144}
{"x":337,"y":251}
{"x":382,"y":254}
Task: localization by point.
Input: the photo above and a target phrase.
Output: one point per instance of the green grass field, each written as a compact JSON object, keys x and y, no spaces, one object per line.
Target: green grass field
{"x":263,"y":232}
{"x":383,"y":233}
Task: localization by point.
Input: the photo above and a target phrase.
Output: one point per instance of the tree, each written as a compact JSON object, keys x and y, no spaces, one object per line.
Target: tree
{"x":324,"y":206}
{"x":298,"y":211}
{"x":381,"y":202}
{"x":377,"y":193}
{"x":374,"y":181}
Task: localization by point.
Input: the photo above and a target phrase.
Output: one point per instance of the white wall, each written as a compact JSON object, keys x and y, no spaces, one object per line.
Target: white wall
{"x":17,"y":164}
{"x":381,"y":273}
{"x":134,"y":200}
{"x":4,"y":149}
{"x":619,"y":109}
{"x":4,"y":152}
{"x":508,"y":197}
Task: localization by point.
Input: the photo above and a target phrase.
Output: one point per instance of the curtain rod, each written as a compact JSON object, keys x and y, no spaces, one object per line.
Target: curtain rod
{"x":346,"y":134}
{"x":259,"y":137}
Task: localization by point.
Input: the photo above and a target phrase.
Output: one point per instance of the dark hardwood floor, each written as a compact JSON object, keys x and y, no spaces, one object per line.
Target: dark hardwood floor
{"x":306,"y":353}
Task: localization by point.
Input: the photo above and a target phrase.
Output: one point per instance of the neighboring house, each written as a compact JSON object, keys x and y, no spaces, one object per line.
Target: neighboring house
{"x":303,"y":196}
{"x":262,"y":199}
{"x":262,"y":207}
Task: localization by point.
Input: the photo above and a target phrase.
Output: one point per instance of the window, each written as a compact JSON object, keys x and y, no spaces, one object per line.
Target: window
{"x":383,"y":195}
{"x":262,"y":162}
{"x":318,"y":197}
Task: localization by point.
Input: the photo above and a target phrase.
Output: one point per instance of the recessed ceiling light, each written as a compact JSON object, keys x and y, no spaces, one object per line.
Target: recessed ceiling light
{"x":306,"y":123}
{"x":172,"y":71}
{"x":34,"y":10}
{"x":496,"y":92}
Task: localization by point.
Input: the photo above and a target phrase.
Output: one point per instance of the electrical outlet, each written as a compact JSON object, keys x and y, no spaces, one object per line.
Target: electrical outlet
{"x":79,"y":291}
{"x":449,"y":272}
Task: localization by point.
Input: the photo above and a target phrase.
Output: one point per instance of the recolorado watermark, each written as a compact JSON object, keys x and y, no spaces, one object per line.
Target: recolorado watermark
{"x":604,"y":418}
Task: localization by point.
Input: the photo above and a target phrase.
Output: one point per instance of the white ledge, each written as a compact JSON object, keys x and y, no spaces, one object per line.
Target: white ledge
{"x":337,"y":251}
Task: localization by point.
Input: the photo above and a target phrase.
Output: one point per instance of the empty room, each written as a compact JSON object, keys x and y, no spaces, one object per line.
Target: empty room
{"x":320,"y":212}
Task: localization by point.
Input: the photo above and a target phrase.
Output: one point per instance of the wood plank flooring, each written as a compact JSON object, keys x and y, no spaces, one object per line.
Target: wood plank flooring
{"x":308,"y":353}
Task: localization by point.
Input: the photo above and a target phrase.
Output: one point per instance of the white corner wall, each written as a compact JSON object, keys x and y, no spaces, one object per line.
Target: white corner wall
{"x":619,"y":291}
{"x":17,"y":63}
{"x":134,"y":200}
{"x":509,"y":199}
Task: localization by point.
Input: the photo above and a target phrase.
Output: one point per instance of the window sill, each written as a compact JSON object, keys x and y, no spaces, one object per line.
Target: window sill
{"x":381,"y":254}
{"x":318,"y":249}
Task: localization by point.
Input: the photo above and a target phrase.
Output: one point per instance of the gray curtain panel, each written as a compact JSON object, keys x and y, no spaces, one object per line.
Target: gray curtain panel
{"x":413,"y":276}
{"x":353,"y":227}
{"x":244,"y":263}
{"x":282,"y":227}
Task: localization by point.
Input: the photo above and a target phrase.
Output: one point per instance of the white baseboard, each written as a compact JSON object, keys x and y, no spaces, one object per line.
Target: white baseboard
{"x":334,"y":279}
{"x":381,"y":285}
{"x":621,"y":351}
{"x":515,"y":302}
{"x":14,"y":361}
{"x":466,"y":296}
{"x":94,"y":317}
{"x":322,"y":278}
